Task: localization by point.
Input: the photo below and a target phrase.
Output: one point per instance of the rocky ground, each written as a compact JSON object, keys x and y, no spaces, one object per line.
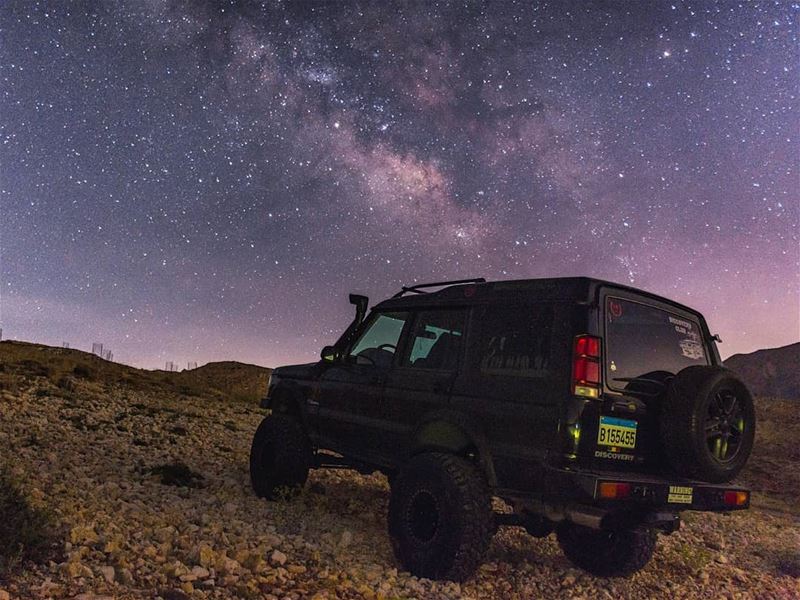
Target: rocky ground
{"x":90,"y":452}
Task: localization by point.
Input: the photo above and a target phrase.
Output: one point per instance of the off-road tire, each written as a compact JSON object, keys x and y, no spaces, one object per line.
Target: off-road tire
{"x":280,"y":457}
{"x":689,"y":404}
{"x":612,"y":553}
{"x":440,"y":517}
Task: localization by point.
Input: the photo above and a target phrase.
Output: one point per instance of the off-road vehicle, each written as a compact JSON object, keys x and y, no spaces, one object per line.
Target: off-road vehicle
{"x":593,"y":409}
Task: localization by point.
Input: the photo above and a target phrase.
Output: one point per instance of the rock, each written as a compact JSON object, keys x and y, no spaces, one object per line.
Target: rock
{"x":83,"y":534}
{"x":200,"y":572}
{"x":296,"y":569}
{"x":346,"y":538}
{"x":108,"y":573}
{"x":175,"y":569}
{"x":278,"y":557}
{"x":72,"y":568}
{"x":125,"y":576}
{"x":4,"y":595}
{"x":165,"y":534}
{"x":206,"y":556}
{"x":230,"y":566}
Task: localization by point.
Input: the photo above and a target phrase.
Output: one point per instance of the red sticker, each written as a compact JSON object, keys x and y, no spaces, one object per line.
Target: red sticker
{"x":615,"y":308}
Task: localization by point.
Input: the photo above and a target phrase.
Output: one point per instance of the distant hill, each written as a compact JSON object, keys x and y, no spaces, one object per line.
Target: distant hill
{"x":219,"y":380}
{"x":774,"y":372}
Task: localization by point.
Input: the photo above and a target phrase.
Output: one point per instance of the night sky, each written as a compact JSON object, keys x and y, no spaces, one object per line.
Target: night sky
{"x":196,"y":181}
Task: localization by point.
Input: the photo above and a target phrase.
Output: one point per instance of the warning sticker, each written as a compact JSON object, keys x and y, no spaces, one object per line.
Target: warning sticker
{"x":679,"y":494}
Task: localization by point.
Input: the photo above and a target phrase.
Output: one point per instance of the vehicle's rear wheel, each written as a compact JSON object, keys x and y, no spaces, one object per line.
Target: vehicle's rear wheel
{"x":440,"y":517}
{"x":708,"y":424}
{"x":607,"y":553}
{"x":280,"y":457}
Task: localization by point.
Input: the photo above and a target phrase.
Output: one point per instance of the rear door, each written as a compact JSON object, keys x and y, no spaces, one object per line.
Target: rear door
{"x":645,"y":344}
{"x":510,"y":384}
{"x":423,"y":377}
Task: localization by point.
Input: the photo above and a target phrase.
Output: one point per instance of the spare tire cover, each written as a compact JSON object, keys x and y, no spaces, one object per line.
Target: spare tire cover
{"x":707,"y":424}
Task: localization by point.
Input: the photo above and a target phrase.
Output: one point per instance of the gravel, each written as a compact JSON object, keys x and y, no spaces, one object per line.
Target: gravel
{"x":90,"y":457}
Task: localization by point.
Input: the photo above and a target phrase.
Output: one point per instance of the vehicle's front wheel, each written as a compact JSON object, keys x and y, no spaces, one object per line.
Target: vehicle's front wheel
{"x":280,"y":457}
{"x":607,"y":553}
{"x":440,"y":517}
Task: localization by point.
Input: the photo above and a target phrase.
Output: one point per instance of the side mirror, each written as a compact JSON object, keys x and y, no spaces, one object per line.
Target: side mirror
{"x":328,"y":354}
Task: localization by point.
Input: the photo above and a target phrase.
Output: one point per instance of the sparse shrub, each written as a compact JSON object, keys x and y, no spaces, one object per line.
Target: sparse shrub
{"x":178,"y":474}
{"x":41,"y":393}
{"x":188,"y":390}
{"x":32,"y":441}
{"x":33,"y":368}
{"x":67,"y":383}
{"x":83,"y":372}
{"x":27,"y":533}
{"x":787,"y":563}
{"x":77,"y":421}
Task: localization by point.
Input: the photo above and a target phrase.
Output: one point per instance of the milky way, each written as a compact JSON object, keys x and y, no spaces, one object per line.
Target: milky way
{"x":196,"y":181}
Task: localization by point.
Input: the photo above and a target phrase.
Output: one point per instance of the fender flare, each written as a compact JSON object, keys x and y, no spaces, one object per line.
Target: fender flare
{"x":456,"y":433}
{"x":288,"y":399}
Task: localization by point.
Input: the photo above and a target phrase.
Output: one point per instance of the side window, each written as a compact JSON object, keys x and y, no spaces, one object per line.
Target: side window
{"x":378,"y":342}
{"x":515,"y":340}
{"x":436,"y":340}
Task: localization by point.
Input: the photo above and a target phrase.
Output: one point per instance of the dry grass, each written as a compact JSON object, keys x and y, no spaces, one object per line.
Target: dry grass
{"x":21,"y":362}
{"x":772,"y":471}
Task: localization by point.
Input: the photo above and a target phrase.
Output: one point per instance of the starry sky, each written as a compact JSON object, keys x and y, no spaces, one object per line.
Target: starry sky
{"x":197,"y":181}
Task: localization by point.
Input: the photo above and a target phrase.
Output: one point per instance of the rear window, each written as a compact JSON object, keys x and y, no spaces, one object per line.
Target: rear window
{"x":642,"y":340}
{"x":515,"y":340}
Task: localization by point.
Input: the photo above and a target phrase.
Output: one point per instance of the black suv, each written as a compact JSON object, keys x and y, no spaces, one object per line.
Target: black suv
{"x":593,"y":409}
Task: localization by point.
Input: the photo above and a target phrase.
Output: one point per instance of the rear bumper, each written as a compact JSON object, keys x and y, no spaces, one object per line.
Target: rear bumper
{"x":642,"y":492}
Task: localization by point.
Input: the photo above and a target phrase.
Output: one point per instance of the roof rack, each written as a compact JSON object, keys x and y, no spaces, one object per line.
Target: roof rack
{"x":417,"y":289}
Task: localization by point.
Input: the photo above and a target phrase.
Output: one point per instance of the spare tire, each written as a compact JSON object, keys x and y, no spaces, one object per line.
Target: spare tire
{"x":707,"y":424}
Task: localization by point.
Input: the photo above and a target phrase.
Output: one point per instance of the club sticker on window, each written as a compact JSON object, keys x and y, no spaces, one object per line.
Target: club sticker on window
{"x":691,"y":349}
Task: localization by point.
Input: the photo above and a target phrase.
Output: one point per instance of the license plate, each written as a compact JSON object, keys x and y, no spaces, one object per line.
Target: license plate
{"x":620,"y":433}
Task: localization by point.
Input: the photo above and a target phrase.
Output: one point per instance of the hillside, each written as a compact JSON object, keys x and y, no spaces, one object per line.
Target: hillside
{"x":771,"y":373}
{"x":138,"y":489}
{"x":19,"y":361}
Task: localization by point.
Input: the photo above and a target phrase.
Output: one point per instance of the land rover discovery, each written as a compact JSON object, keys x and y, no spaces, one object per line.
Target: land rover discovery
{"x":595,"y":410}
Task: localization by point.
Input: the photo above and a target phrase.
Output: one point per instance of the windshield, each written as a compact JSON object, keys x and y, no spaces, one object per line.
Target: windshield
{"x":646,"y":342}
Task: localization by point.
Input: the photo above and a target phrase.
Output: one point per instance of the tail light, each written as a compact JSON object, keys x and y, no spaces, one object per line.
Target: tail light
{"x":735,"y":498}
{"x":613,"y":490}
{"x":586,"y":366}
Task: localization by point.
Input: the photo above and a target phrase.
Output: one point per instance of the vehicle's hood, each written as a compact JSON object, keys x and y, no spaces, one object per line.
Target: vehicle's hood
{"x":305,"y":371}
